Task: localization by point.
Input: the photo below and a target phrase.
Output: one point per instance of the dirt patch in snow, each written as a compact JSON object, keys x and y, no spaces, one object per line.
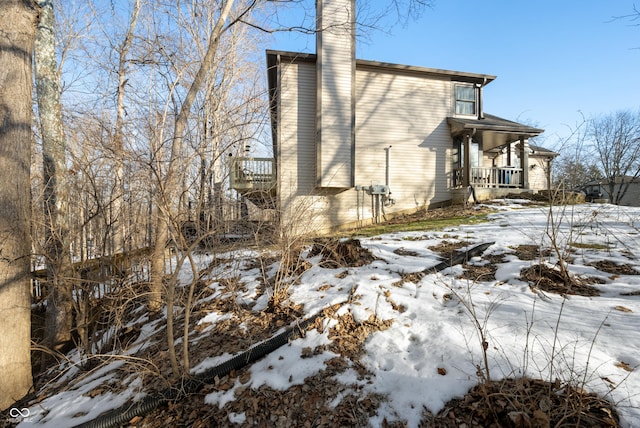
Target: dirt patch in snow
{"x":531,"y":252}
{"x":615,"y":268}
{"x":449,"y":249}
{"x":476,"y":273}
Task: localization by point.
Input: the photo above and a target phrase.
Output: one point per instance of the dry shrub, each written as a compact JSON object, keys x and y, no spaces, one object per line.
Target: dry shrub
{"x":548,"y":279}
{"x":525,"y":402}
{"x":336,"y":253}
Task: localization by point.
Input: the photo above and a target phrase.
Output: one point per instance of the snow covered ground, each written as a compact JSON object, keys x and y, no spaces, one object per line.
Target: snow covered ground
{"x":432,"y":350}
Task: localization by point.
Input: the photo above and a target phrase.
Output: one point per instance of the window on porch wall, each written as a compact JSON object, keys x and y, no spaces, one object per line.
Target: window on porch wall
{"x":515,"y":157}
{"x":474,"y":155}
{"x":475,"y":158}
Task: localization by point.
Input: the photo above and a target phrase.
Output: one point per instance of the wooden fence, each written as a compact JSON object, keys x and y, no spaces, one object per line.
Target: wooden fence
{"x":102,"y":275}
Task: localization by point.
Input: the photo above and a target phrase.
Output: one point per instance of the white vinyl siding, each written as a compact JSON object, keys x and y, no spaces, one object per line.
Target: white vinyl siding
{"x":538,"y":173}
{"x":407,"y":112}
{"x":403,"y":110}
{"x":296,"y":146}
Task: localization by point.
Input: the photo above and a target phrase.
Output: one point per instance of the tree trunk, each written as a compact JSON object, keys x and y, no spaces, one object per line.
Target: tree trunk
{"x":119,"y":207}
{"x":59,"y":320}
{"x":17,"y":29}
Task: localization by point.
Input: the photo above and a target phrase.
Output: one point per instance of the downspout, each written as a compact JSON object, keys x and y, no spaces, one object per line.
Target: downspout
{"x":277,"y":155}
{"x":386,"y":169}
{"x":386,"y":198}
{"x":358,"y":205}
{"x":480,"y":86}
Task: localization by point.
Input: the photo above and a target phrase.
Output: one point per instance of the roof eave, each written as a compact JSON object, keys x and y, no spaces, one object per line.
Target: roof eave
{"x":459,"y":125}
{"x":361,"y":63}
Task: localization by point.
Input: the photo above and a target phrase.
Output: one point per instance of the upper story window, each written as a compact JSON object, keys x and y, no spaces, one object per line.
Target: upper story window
{"x":465,"y":99}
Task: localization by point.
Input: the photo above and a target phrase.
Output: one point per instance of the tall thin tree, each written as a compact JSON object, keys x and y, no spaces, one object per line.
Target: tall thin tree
{"x":59,"y":320}
{"x":119,"y":233}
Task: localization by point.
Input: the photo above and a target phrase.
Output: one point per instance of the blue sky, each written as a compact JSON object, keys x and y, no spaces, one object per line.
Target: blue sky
{"x":553,"y":58}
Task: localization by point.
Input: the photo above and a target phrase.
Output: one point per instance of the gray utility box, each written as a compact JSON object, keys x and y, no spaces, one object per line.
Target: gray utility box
{"x":379,"y":189}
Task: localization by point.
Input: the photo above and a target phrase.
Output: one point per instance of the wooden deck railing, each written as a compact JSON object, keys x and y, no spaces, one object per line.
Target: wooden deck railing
{"x":495,"y":177}
{"x":102,"y":275}
{"x":250,"y":174}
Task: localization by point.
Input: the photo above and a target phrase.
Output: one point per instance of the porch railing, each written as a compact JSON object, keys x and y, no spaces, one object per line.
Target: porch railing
{"x":494,"y":177}
{"x":248,"y":174}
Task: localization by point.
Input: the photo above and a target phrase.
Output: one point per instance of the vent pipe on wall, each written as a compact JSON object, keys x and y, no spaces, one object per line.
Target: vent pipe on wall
{"x":387,"y":166}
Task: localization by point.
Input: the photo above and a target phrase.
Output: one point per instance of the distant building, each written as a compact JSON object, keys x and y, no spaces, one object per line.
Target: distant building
{"x":626,"y":191}
{"x":357,"y":140}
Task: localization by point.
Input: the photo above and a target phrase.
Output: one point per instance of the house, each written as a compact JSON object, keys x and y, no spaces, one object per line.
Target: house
{"x":623,"y":190}
{"x":356,"y":141}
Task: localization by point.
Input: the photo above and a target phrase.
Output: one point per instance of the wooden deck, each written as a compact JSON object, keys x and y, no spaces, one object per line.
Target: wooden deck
{"x":255,"y":179}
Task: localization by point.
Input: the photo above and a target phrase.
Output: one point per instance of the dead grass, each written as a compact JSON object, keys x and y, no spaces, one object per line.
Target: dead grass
{"x":614,"y":268}
{"x":434,"y":219}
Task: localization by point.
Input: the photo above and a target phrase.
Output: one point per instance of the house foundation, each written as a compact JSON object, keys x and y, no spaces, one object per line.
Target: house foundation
{"x":461,"y":196}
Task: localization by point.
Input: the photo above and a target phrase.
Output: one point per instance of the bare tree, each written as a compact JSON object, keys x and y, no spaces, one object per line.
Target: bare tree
{"x":59,"y":320}
{"x":616,"y":139}
{"x":576,"y":164}
{"x":118,"y":138}
{"x":573,"y":173}
{"x":159,"y":96}
{"x":170,"y":182}
{"x":17,"y":31}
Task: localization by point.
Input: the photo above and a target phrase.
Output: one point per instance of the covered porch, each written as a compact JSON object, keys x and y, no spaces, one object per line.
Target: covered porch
{"x":491,"y":154}
{"x":490,"y":177}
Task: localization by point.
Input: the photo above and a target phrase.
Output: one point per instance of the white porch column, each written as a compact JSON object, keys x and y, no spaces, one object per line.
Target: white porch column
{"x":466,"y":170}
{"x":524,"y":161}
